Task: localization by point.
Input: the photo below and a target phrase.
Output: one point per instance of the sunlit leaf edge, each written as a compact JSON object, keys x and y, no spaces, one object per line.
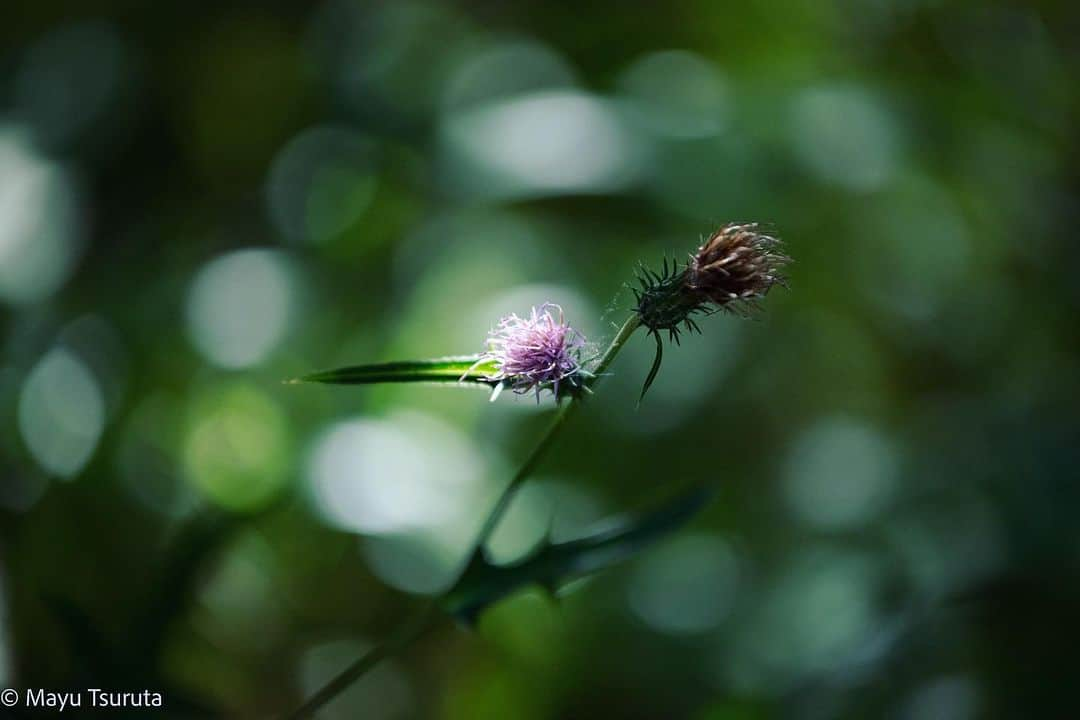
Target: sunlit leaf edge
{"x":465,"y":370}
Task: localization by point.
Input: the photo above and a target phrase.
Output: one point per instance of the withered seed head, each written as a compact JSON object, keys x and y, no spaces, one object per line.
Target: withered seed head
{"x":734,"y":268}
{"x":737,"y":263}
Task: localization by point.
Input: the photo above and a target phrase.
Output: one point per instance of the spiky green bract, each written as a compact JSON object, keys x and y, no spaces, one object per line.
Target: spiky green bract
{"x":664,"y":305}
{"x":662,"y":302}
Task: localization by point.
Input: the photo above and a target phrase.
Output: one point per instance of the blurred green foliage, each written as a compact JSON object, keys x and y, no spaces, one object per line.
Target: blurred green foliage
{"x":199,"y":202}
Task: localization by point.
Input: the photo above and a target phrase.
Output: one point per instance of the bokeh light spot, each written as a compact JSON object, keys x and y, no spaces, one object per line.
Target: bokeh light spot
{"x":241,"y":593}
{"x":524,"y":525}
{"x":39,"y":236}
{"x":146,"y":457}
{"x":676,"y":94}
{"x":685,"y":586}
{"x":382,"y":55}
{"x":505,"y":70}
{"x":818,"y":611}
{"x":840,"y":473}
{"x":61,"y":413}
{"x":954,"y":697}
{"x":384,"y":476}
{"x":845,"y":136}
{"x":542,"y":143}
{"x":237,"y":447}
{"x":239,"y":307}
{"x":415,"y":486}
{"x":909,"y":274}
{"x":321,"y":182}
{"x":419,"y":561}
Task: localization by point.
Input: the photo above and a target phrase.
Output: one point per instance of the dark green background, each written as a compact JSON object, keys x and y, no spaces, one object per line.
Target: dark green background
{"x":200,"y":200}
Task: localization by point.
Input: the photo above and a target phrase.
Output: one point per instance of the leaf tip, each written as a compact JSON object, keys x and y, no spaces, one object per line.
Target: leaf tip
{"x":657,"y":360}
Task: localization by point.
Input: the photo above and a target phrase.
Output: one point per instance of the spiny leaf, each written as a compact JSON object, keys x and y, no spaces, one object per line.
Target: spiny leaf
{"x":483,"y":583}
{"x":463,"y":369}
{"x":655,"y":365}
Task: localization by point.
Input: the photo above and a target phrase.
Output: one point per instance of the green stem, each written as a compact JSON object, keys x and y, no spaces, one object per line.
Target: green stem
{"x":427,"y":620}
{"x":404,"y":637}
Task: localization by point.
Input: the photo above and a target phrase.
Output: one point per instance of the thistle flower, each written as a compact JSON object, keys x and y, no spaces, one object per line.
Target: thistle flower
{"x":536,"y":352}
{"x":734,"y":268}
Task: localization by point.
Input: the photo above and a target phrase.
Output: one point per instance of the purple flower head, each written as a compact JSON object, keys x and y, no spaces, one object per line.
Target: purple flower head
{"x":537,"y":351}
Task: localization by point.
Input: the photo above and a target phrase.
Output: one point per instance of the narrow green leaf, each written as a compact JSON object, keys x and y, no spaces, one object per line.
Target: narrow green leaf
{"x":655,"y":366}
{"x":483,"y":583}
{"x":462,"y":369}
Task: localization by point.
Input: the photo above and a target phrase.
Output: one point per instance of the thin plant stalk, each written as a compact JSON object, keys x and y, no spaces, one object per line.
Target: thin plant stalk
{"x":429,"y":616}
{"x":408,"y":633}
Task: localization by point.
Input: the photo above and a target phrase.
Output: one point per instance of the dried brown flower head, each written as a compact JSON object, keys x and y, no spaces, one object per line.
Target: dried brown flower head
{"x":733,"y":269}
{"x":738,"y":263}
